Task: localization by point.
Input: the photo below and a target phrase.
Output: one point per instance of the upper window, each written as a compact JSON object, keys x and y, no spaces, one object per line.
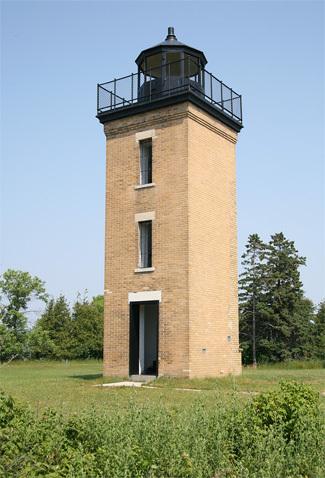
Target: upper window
{"x":146,"y":161}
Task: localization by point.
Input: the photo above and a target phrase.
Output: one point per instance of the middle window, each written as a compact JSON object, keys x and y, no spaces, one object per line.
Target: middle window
{"x":145,"y":231}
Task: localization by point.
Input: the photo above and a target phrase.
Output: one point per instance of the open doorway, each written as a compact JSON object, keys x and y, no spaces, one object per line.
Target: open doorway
{"x":144,"y":338}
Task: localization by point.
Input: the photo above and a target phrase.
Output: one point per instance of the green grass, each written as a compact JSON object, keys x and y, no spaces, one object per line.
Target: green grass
{"x":295,"y":364}
{"x":258,"y":380}
{"x":69,"y":386}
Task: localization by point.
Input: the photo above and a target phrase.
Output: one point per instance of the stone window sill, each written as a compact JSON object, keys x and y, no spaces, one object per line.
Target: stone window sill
{"x":144,"y":269}
{"x":143,"y":186}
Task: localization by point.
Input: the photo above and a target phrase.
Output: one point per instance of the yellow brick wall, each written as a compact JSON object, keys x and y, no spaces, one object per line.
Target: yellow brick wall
{"x":213,"y":306}
{"x":194,"y":240}
{"x":170,"y":232}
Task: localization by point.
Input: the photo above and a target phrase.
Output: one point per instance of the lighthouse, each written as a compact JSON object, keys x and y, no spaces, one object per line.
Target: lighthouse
{"x":171,"y":306}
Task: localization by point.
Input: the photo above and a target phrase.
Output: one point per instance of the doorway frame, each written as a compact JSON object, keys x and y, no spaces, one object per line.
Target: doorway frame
{"x":132,"y":317}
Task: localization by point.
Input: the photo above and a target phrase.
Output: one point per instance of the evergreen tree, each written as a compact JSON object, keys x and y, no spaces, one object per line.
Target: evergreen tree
{"x":62,"y":334}
{"x":88,"y":320}
{"x":283,"y":299}
{"x":40,"y":345}
{"x":56,"y":320}
{"x":302,"y":340}
{"x":320,"y":331}
{"x":276,"y":321}
{"x":251,"y":290}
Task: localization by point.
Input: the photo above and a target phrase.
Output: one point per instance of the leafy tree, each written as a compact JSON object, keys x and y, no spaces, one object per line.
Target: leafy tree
{"x":10,"y":346}
{"x":17,"y":289}
{"x":251,"y":284}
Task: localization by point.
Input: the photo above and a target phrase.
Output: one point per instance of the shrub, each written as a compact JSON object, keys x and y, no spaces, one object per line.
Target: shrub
{"x":289,"y":409}
{"x":281,"y":433}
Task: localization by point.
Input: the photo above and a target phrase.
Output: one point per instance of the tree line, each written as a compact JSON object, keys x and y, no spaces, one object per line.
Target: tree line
{"x":277,"y":322}
{"x":62,"y":332}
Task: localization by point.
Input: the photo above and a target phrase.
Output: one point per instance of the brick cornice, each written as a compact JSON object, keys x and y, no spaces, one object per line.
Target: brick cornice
{"x":163,"y":120}
{"x":212,"y":127}
{"x":143,"y":124}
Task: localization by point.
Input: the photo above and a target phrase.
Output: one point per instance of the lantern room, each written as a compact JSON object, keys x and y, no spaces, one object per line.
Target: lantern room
{"x":170,"y":66}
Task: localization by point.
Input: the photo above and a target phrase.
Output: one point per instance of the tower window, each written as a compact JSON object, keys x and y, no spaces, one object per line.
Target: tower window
{"x":145,"y":231}
{"x":146,"y":161}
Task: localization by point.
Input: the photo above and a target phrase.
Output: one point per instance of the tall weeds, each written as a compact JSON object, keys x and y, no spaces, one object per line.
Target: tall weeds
{"x":278,"y":434}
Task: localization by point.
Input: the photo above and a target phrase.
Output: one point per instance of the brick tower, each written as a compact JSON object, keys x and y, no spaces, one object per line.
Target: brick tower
{"x":170,"y":237}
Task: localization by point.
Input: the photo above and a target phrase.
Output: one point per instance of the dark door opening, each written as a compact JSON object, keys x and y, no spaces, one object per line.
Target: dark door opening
{"x":144,"y":318}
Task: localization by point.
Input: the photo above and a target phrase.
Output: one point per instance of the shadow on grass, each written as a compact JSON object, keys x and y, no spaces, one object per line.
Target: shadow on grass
{"x":91,"y":376}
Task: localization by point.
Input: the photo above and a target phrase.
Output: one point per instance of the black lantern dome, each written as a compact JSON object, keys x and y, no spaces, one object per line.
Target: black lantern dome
{"x":171,"y":51}
{"x":170,"y":65}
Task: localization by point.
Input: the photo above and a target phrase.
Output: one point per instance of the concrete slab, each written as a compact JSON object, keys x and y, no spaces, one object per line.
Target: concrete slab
{"x":120,"y":384}
{"x":143,"y":378}
{"x":178,"y":389}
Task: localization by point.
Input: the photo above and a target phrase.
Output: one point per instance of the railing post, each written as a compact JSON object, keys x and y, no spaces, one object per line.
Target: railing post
{"x":203,"y":78}
{"x":189,"y":72}
{"x":144,"y":81}
{"x":241,"y":109}
{"x":231,"y":106}
{"x":114,"y":92}
{"x":111,"y":99}
{"x":169,"y":79}
{"x":132,"y":87}
{"x":221,"y":95}
{"x":211,"y":92}
{"x":97,"y":97}
{"x":182,"y":72}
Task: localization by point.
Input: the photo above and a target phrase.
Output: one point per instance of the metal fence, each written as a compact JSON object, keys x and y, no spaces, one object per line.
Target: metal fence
{"x":167,"y":80}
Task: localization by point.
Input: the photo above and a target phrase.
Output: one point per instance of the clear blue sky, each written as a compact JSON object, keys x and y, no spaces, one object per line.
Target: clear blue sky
{"x":53,"y":148}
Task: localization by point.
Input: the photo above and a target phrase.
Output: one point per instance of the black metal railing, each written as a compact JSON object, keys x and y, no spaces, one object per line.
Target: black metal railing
{"x":167,"y":80}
